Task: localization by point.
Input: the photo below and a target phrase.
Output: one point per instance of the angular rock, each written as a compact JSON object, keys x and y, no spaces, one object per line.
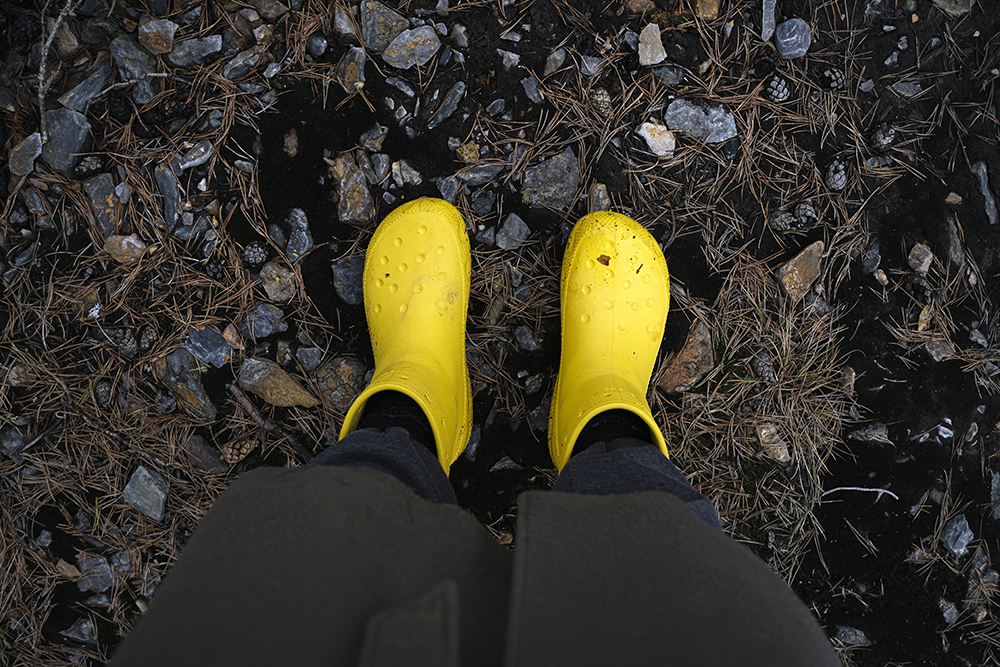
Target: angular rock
{"x":773,"y":444}
{"x":22,"y":156}
{"x":300,"y":241}
{"x":179,"y":372}
{"x":348,"y":273}
{"x":695,"y":360}
{"x":125,"y":249}
{"x":708,"y":9}
{"x":134,"y":63}
{"x":920,"y":258}
{"x":957,"y":535}
{"x":767,"y":23}
{"x":553,"y":182}
{"x":948,"y":610}
{"x":480,"y":174}
{"x":940,"y":349}
{"x":192,"y":52}
{"x":350,"y":70}
{"x":316,"y":44}
{"x":278,"y":281}
{"x":12,"y":439}
{"x":448,"y":106}
{"x":197,"y":156}
{"x":209,"y":346}
{"x":509,"y":59}
{"x":669,"y":76}
{"x":852,"y":636}
{"x":380,"y":25}
{"x":78,"y":99}
{"x":105,"y":203}
{"x":242,"y":63}
{"x":340,"y":380}
{"x":97,"y":575}
{"x":531,"y":89}
{"x":412,"y":47}
{"x":448,"y":187}
{"x":82,"y":631}
{"x":651,"y":51}
{"x":907,"y":88}
{"x":956,"y":7}
{"x":204,"y":457}
{"x":157,"y":36}
{"x":526,"y":338}
{"x":261,"y":321}
{"x":792,"y":38}
{"x":271,"y":10}
{"x":983,"y":176}
{"x":147,"y":492}
{"x":513,"y":233}
{"x":659,"y":139}
{"x":798,"y":275}
{"x":591,"y":66}
{"x":309,"y":358}
{"x":555,"y":60}
{"x":69,"y":135}
{"x":403,"y":173}
{"x":269,"y":381}
{"x":713,"y":122}
{"x":373,"y":139}
{"x":355,"y":206}
{"x":170,"y":189}
{"x":598,"y":198}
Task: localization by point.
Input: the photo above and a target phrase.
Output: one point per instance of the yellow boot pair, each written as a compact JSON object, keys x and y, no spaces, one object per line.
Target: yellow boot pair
{"x":615,"y":294}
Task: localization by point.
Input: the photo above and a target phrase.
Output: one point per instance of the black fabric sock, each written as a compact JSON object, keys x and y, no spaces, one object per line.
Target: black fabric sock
{"x":612,"y":424}
{"x":393,"y":408}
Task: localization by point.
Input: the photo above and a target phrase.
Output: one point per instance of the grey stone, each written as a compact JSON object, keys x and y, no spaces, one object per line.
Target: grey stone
{"x":157,"y":36}
{"x":659,"y":140}
{"x":956,"y":7}
{"x":22,"y":156}
{"x":553,"y":182}
{"x":380,"y":25}
{"x":403,"y":173}
{"x":97,"y":575}
{"x":261,"y":321}
{"x":995,"y":496}
{"x":591,"y":65}
{"x":381,"y":166}
{"x":713,"y":123}
{"x":892,"y":59}
{"x":192,"y":52}
{"x":651,"y":51}
{"x":78,"y":99}
{"x":767,"y":23}
{"x":940,"y":349}
{"x":209,"y":346}
{"x":509,"y":59}
{"x":401,"y":85}
{"x":872,"y":259}
{"x":373,"y":139}
{"x":169,"y":188}
{"x":867,"y":86}
{"x":309,"y":357}
{"x":348,"y":276}
{"x":907,"y":88}
{"x":197,"y":156}
{"x":538,"y":418}
{"x":180,"y":373}
{"x":669,"y":75}
{"x":497,"y":106}
{"x":82,"y":631}
{"x":599,"y":198}
{"x":480,"y":174}
{"x":355,"y":206}
{"x":957,"y":535}
{"x":482,"y":202}
{"x":134,"y":63}
{"x":792,"y":38}
{"x":316,"y":45}
{"x":13,"y":440}
{"x":99,"y":600}
{"x":948,"y":610}
{"x":852,"y":636}
{"x":105,"y":203}
{"x":300,"y":241}
{"x":872,"y":433}
{"x":448,"y":106}
{"x":487,"y":237}
{"x":530,"y":85}
{"x":271,"y":10}
{"x":242,"y":63}
{"x":147,"y":492}
{"x":920,"y":258}
{"x":555,"y":60}
{"x":505,"y":463}
{"x":983,"y":176}
{"x":798,"y":275}
{"x":977,"y":337}
{"x":513,"y":233}
{"x":69,"y":135}
{"x":448,"y":187}
{"x":121,"y":561}
{"x":350,"y":70}
{"x":278,"y":281}
{"x":412,"y":47}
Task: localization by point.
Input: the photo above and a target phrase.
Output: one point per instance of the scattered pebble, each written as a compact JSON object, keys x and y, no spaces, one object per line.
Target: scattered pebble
{"x":300,"y":240}
{"x":907,"y":88}
{"x":355,"y":206}
{"x":147,"y":492}
{"x":990,"y":203}
{"x":348,"y":277}
{"x":380,"y":25}
{"x":208,"y":346}
{"x":768,"y":22}
{"x":792,"y":38}
{"x":798,"y":275}
{"x":940,"y":349}
{"x":350,"y":70}
{"x":660,"y":140}
{"x":687,"y":368}
{"x":852,"y":636}
{"x":449,"y":105}
{"x":69,"y":135}
{"x":340,"y":380}
{"x":157,"y":36}
{"x":555,"y":61}
{"x":316,"y":45}
{"x":202,"y":456}
{"x":531,"y":89}
{"x":194,"y":52}
{"x":553,"y":182}
{"x":22,"y":157}
{"x":651,"y":51}
{"x":513,"y":233}
{"x":509,"y":59}
{"x":920,"y":258}
{"x":125,"y":249}
{"x":82,"y":631}
{"x":97,"y":575}
{"x":957,"y":535}
{"x":713,"y":122}
{"x":269,"y":381}
{"x":412,"y":47}
{"x":78,"y":99}
{"x":773,"y":444}
{"x":134,"y":63}
{"x":261,"y":321}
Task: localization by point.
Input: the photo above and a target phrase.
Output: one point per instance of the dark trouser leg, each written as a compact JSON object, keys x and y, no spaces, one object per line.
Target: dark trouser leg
{"x":395,"y":453}
{"x":627,"y":465}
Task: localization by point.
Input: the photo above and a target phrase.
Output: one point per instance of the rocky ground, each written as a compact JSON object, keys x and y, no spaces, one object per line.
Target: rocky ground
{"x":186,"y":181}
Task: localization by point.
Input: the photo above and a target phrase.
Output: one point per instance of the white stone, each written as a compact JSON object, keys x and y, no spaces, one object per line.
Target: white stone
{"x":660,"y":140}
{"x":651,"y":51}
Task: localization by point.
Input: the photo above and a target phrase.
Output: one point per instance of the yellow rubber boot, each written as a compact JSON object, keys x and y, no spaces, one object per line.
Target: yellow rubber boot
{"x":416,"y":287}
{"x":614,"y":296}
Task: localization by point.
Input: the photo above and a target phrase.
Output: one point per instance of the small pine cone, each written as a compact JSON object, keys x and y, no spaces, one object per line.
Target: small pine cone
{"x":103,"y":391}
{"x":26,"y":29}
{"x":836,"y":175}
{"x":147,"y":338}
{"x":784,"y":221}
{"x":125,"y":341}
{"x":216,"y":269}
{"x":833,"y":78}
{"x":164,"y":402}
{"x":764,"y":367}
{"x":806,"y":215}
{"x":90,"y":165}
{"x":883,"y":137}
{"x":778,"y":89}
{"x":601,"y":99}
{"x":254,"y":255}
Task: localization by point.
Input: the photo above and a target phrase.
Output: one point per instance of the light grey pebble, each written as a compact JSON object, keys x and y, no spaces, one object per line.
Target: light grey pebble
{"x":792,"y":38}
{"x":147,"y":492}
{"x":348,"y":275}
{"x":513,"y":233}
